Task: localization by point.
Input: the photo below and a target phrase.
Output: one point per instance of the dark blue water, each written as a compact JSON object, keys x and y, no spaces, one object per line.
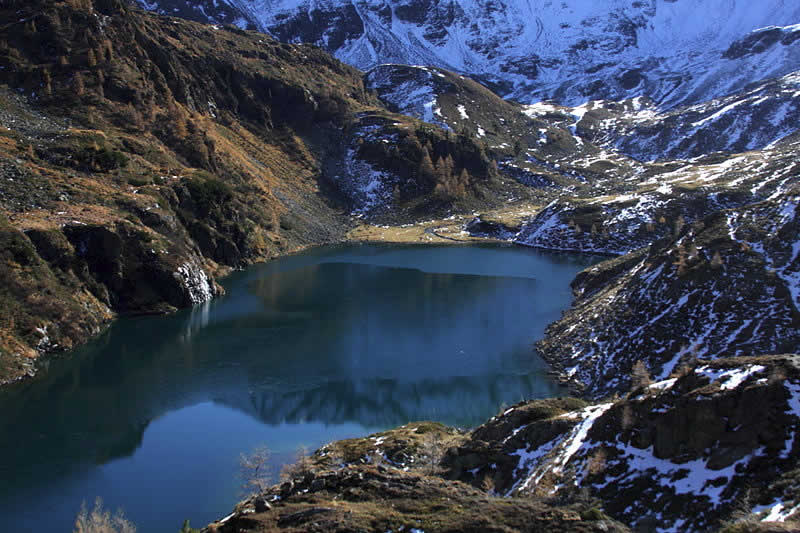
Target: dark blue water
{"x":333,"y":343}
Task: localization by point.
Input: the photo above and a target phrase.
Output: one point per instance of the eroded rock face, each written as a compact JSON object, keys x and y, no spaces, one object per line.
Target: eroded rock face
{"x":139,"y":270}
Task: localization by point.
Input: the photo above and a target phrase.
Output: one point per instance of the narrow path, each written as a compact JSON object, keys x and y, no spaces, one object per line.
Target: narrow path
{"x":432,"y":231}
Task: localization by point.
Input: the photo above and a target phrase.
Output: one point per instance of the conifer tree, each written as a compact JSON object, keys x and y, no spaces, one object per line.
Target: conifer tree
{"x":426,"y":168}
{"x":640,"y":377}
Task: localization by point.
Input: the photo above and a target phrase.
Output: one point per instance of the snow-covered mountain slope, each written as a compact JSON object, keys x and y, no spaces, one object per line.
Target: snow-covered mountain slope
{"x":620,"y":224}
{"x":752,"y":119}
{"x":724,"y":286}
{"x":685,"y":51}
{"x":677,"y":455}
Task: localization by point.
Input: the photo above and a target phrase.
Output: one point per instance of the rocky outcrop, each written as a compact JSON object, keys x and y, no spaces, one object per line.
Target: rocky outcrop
{"x":761,"y":40}
{"x":618,"y":213}
{"x":370,"y":498}
{"x":63,"y":285}
{"x":45,"y":306}
{"x":139,"y":272}
{"x":396,"y":169}
{"x":618,"y":225}
{"x":684,"y":453}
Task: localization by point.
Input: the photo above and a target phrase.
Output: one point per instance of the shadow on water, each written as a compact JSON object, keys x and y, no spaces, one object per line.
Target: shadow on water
{"x":327,"y":344}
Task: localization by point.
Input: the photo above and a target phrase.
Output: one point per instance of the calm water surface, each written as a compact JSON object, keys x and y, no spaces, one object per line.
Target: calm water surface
{"x":334,"y":343}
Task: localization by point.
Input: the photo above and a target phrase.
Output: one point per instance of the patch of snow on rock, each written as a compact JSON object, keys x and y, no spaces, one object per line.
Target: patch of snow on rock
{"x":729,"y":379}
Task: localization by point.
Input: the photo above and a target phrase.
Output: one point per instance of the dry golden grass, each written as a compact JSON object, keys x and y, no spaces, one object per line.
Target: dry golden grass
{"x":64,"y":213}
{"x":443,"y":231}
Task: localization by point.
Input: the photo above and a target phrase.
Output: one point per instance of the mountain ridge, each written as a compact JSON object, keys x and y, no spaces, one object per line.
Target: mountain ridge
{"x":570,"y":52}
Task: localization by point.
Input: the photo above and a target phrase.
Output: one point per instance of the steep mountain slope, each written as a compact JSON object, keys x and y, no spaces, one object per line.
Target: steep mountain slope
{"x":571,"y":51}
{"x":142,"y":155}
{"x":724,"y":286}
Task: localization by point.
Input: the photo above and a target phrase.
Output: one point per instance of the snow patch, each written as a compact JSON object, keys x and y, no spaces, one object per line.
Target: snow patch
{"x":729,"y":379}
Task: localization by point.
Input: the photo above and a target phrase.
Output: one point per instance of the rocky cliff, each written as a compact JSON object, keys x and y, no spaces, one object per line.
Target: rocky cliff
{"x":681,"y":454}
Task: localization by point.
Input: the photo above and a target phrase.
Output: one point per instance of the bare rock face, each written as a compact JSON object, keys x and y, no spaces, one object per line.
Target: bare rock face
{"x":761,"y":41}
{"x":140,"y":272}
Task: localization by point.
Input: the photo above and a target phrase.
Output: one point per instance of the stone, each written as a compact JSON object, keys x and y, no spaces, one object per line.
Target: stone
{"x":262,"y":505}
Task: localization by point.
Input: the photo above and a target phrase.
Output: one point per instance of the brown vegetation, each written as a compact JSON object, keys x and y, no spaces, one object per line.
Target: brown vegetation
{"x":254,"y":470}
{"x":640,"y":376}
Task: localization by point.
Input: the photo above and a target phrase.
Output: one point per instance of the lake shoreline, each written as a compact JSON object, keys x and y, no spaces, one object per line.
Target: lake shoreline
{"x":430,"y":233}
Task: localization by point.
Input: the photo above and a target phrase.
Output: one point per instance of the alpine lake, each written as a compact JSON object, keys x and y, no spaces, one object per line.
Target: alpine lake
{"x":332,"y":343}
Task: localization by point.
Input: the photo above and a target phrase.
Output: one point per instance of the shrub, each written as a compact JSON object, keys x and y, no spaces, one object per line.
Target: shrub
{"x":100,"y":520}
{"x":593,"y":514}
{"x":101,"y":159}
{"x":208,"y":194}
{"x":107,"y":159}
